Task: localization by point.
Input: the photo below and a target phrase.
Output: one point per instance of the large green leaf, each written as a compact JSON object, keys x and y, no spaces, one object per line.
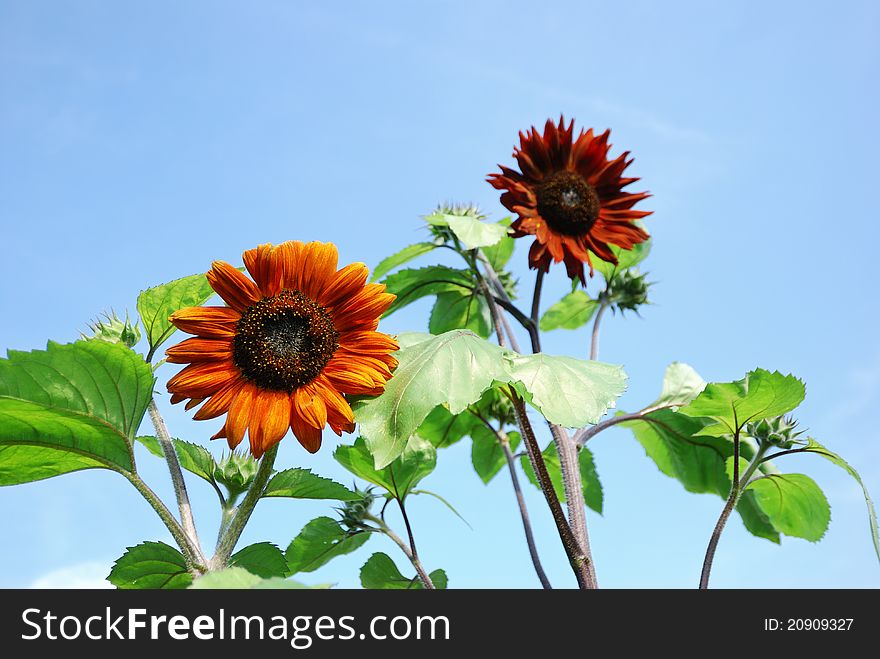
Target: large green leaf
{"x":626,"y":258}
{"x":673,"y":441}
{"x":24,"y":464}
{"x":471,"y":231}
{"x":230,"y":578}
{"x":399,"y":477}
{"x":412,"y":284}
{"x":466,"y":310}
{"x":318,"y":542}
{"x":794,"y":504}
{"x":815,"y":447}
{"x":380,"y":572}
{"x":263,"y":559}
{"x":150,"y":565}
{"x":155,"y":305}
{"x":303,"y":484}
{"x":192,"y":457}
{"x":759,"y":395}
{"x":499,"y":254}
{"x":397,"y":259}
{"x":442,"y":428}
{"x":571,"y":312}
{"x":567,"y":391}
{"x":487,"y":455}
{"x":454,"y":369}
{"x":681,"y":384}
{"x":55,"y":431}
{"x":593,"y":495}
{"x":107,"y":381}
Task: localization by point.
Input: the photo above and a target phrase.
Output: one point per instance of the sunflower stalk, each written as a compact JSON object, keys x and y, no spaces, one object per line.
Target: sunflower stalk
{"x":186,"y":516}
{"x":242,"y":514}
{"x":407,"y":549}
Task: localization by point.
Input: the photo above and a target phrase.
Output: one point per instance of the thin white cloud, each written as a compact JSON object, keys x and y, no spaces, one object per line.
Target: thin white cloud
{"x":82,"y":576}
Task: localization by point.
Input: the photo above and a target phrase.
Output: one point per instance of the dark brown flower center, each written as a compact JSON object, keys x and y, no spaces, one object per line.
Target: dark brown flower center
{"x":568,"y":203}
{"x":283,"y":342}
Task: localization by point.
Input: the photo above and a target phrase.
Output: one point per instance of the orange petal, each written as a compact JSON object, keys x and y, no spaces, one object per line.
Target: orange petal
{"x":308,"y":436}
{"x":318,"y":267}
{"x":265,"y":265}
{"x":209,"y":322}
{"x":198,"y":349}
{"x":290,"y":255}
{"x":310,"y":406}
{"x":220,"y":402}
{"x":339,"y":415}
{"x":204,"y":379}
{"x":234,"y":287}
{"x":269,"y":422}
{"x":367,"y":342}
{"x":345,"y":283}
{"x":240,"y":413}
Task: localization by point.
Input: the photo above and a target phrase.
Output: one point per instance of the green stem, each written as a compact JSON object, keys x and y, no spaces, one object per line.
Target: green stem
{"x":594,"y":340}
{"x":236,"y":525}
{"x":408,"y":550}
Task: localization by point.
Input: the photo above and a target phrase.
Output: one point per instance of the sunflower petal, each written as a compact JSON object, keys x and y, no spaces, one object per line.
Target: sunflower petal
{"x":234,"y":287}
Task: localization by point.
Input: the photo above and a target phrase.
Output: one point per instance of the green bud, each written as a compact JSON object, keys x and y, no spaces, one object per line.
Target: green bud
{"x":112,"y":329}
{"x":354,"y":512}
{"x":236,"y":472}
{"x":628,"y":290}
{"x":777,"y":431}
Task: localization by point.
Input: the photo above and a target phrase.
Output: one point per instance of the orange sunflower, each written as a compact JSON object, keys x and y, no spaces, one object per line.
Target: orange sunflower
{"x":286,"y":349}
{"x":570,"y":197}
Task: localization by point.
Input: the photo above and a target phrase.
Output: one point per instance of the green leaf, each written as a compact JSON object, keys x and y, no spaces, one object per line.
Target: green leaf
{"x":277,"y":583}
{"x":25,"y":464}
{"x":442,"y":428}
{"x":681,"y":384}
{"x":567,"y":391}
{"x":150,"y":565}
{"x":318,"y":542}
{"x":230,"y":578}
{"x":487,"y":456}
{"x":412,"y":284}
{"x":399,"y":478}
{"x":571,"y":312}
{"x":56,"y":431}
{"x":380,"y":572}
{"x":155,"y":305}
{"x":263,"y":559}
{"x":794,"y":504}
{"x":303,"y":484}
{"x":593,"y":496}
{"x":192,"y":457}
{"x":673,"y":441}
{"x":454,"y":369}
{"x":470,"y":230}
{"x":107,"y":381}
{"x":626,"y":258}
{"x":759,"y":395}
{"x":499,"y":254}
{"x":815,"y":447}
{"x":455,"y":310}
{"x":405,"y":255}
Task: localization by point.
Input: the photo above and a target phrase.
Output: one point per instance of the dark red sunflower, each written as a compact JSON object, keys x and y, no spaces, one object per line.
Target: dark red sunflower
{"x":570,"y":196}
{"x":287,"y":347}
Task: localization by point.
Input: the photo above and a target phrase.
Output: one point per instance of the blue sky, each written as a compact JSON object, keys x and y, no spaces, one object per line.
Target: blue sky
{"x":140,"y":142}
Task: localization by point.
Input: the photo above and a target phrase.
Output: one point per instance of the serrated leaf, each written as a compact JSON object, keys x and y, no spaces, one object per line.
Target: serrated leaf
{"x":318,"y":542}
{"x":25,"y":464}
{"x":626,"y":258}
{"x":815,"y":447}
{"x":399,"y":478}
{"x":193,"y":458}
{"x":155,"y":305}
{"x":454,"y":369}
{"x":759,"y":395}
{"x":471,"y":231}
{"x":455,"y":310}
{"x":380,"y":572}
{"x":499,"y":254}
{"x":397,"y":259}
{"x":794,"y":504}
{"x":593,"y":495}
{"x":303,"y":484}
{"x":681,"y":384}
{"x":442,"y":428}
{"x":412,"y":284}
{"x":230,"y":578}
{"x":487,"y":455}
{"x":567,"y":391}
{"x":571,"y":312}
{"x":263,"y":559}
{"x":150,"y":565}
{"x":107,"y":381}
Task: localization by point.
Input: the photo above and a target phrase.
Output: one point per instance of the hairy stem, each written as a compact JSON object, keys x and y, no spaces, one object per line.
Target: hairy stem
{"x":594,"y":340}
{"x":236,"y":525}
{"x":406,"y":549}
{"x":186,"y":516}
